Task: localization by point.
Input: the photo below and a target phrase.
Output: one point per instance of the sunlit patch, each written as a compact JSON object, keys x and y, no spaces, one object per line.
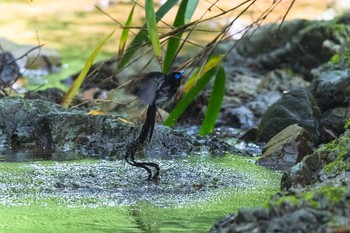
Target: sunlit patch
{"x":125,"y":120}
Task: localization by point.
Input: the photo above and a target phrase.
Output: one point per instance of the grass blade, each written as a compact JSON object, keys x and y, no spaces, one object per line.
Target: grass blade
{"x":189,"y":97}
{"x":174,"y":41}
{"x":183,"y":16}
{"x":191,"y":7}
{"x":142,"y":37}
{"x":194,"y":88}
{"x":212,"y":62}
{"x":125,"y":33}
{"x":153,"y":29}
{"x":67,"y":99}
{"x":215,"y":101}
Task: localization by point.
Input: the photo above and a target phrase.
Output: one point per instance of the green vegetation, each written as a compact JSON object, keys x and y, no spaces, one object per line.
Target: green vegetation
{"x":79,"y":80}
{"x":33,"y":196}
{"x":313,"y":198}
{"x":347,"y":124}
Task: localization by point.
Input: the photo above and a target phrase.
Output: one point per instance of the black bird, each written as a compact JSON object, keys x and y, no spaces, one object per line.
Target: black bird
{"x":155,"y":89}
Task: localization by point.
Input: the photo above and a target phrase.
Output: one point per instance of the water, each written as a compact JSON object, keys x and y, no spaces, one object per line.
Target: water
{"x":108,"y":196}
{"x":23,"y":155}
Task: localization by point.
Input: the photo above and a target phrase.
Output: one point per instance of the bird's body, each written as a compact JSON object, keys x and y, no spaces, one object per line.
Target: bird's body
{"x":155,"y":89}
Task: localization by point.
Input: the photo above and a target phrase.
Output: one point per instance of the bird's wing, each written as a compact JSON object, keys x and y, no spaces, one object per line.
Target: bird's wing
{"x":147,"y":89}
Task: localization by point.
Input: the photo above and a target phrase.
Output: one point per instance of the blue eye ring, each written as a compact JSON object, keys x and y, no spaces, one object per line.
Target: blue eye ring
{"x":179,"y":74}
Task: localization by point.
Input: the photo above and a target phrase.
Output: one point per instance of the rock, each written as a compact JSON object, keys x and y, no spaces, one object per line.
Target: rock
{"x":333,"y":120}
{"x":281,"y":80}
{"x":51,"y":94}
{"x":331,"y":87}
{"x":36,"y":58}
{"x":329,"y":162}
{"x":257,"y":44}
{"x":43,"y":126}
{"x":299,"y":44}
{"x":9,"y":70}
{"x":295,"y":107}
{"x":262,"y":102}
{"x":312,"y":211}
{"x":286,"y":148}
{"x":239,"y":117}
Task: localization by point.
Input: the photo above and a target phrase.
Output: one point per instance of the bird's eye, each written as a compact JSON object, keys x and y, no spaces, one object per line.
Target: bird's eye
{"x":177,"y":76}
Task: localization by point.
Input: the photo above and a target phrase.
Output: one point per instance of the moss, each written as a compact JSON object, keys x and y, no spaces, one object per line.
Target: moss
{"x":335,"y":58}
{"x":336,"y":167}
{"x":347,"y":123}
{"x":293,"y":200}
{"x":335,"y":155}
{"x":314,"y":199}
{"x":333,"y":194}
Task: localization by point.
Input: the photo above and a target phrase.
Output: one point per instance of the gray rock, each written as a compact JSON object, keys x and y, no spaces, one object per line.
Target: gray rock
{"x":295,"y":107}
{"x":331,"y":87}
{"x":334,"y":119}
{"x":36,"y":58}
{"x":9,"y":70}
{"x":238,"y":117}
{"x":314,"y":211}
{"x":281,"y":80}
{"x":286,"y":148}
{"x":327,"y":163}
{"x":43,"y":126}
{"x":299,"y":44}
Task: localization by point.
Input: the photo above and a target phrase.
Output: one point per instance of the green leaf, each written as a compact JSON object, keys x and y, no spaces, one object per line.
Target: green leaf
{"x":67,"y":99}
{"x":211,"y":63}
{"x":184,"y":14}
{"x":142,"y":37}
{"x":215,"y":101}
{"x":191,"y":7}
{"x":125,"y":33}
{"x":153,"y":29}
{"x":189,"y":97}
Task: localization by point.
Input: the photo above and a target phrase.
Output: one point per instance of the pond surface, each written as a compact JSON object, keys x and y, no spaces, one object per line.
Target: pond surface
{"x":109,"y":196}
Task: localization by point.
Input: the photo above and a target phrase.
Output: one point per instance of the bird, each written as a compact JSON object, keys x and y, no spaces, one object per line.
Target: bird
{"x":155,"y":89}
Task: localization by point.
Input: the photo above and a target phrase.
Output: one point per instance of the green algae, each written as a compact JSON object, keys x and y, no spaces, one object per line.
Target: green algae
{"x":331,"y":195}
{"x":336,"y":155}
{"x":48,"y":208}
{"x":53,"y":218}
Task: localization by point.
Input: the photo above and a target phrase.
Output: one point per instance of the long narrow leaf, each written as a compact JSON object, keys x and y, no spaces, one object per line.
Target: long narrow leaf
{"x":189,"y":97}
{"x":125,"y":33}
{"x":215,"y":101}
{"x":153,"y":29}
{"x":184,"y":14}
{"x":67,"y":99}
{"x":142,"y":36}
{"x":191,"y":7}
{"x":212,"y":62}
{"x":174,"y":41}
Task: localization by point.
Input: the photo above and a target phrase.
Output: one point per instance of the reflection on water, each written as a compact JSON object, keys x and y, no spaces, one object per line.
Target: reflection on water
{"x":24,"y":155}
